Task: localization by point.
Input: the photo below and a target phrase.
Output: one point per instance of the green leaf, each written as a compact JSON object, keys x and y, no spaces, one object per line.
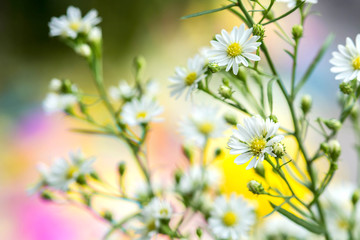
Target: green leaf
{"x":289,"y":53}
{"x":270,"y":94}
{"x":312,"y":227}
{"x":315,"y":62}
{"x":208,"y":11}
{"x":88,"y":131}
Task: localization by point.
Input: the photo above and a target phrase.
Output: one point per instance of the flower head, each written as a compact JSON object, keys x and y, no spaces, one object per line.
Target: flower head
{"x":231,"y":219}
{"x":233,"y":49}
{"x":188,"y":78}
{"x":292,"y":3}
{"x":203,"y":123}
{"x":253,"y":140}
{"x":140,"y":111}
{"x":347,"y":61}
{"x":72,"y":24}
{"x":63,"y":173}
{"x":58,"y":102}
{"x":122,"y":92}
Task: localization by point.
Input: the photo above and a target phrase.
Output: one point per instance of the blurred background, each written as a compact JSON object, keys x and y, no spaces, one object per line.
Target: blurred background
{"x":152,"y":28}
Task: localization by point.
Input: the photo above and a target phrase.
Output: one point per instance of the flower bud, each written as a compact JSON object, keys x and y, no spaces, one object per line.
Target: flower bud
{"x":297,"y":31}
{"x":306,"y":103}
{"x":278,"y":149}
{"x":230,"y":119}
{"x":83,"y":50}
{"x":199,"y":232}
{"x":214,"y":67}
{"x":355,"y":197}
{"x":121,"y":168}
{"x":46,"y":195}
{"x":346,"y":88}
{"x":187,"y":152}
{"x":95,"y":35}
{"x":334,"y":150}
{"x":107,"y":215}
{"x":225,"y":91}
{"x":354,"y":114}
{"x":242,"y":74}
{"x":81,"y":180}
{"x":218,"y":152}
{"x":94,"y":175}
{"x":273,"y":118}
{"x":260,"y":170}
{"x":139,"y":64}
{"x":255,"y":187}
{"x":270,"y":15}
{"x":324,"y":147}
{"x":178,"y":174}
{"x":259,"y":30}
{"x":333,"y":124}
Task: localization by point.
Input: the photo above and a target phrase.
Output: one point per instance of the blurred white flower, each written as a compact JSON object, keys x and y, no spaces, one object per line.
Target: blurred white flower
{"x":62,"y":173}
{"x":55,"y":85}
{"x":152,"y":88}
{"x":188,"y":78}
{"x":95,"y":34}
{"x":122,"y":92}
{"x":54,"y":102}
{"x":292,"y":3}
{"x":235,"y":48}
{"x":231,"y":219}
{"x":347,"y":61}
{"x":72,"y":24}
{"x":203,"y":123}
{"x":254,"y":140}
{"x":83,"y":50}
{"x":279,"y":227}
{"x":141,"y":111}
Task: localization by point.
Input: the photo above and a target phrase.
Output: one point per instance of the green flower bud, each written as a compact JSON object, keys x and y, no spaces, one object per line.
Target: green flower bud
{"x":355,"y":197}
{"x":242,"y":74}
{"x":199,"y":232}
{"x":354,"y":114}
{"x":187,"y":152}
{"x":94,"y":175}
{"x":270,"y":15}
{"x":260,"y":170}
{"x":226,"y":82}
{"x":334,"y":150}
{"x":278,"y":149}
{"x":107,"y":215}
{"x":255,"y":187}
{"x":230,"y":119}
{"x":46,"y":195}
{"x":214,"y":67}
{"x":297,"y":31}
{"x":83,"y":50}
{"x":178,"y":174}
{"x":121,"y":168}
{"x":273,"y":118}
{"x":346,"y":88}
{"x":218,"y":151}
{"x":139,"y":64}
{"x":259,"y":30}
{"x":81,"y":179}
{"x":324,"y":147}
{"x":333,"y":124}
{"x":306,"y":103}
{"x":225,"y":91}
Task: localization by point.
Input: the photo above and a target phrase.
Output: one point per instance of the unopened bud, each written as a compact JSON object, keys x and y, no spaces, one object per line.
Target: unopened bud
{"x":225,"y":91}
{"x":259,"y":30}
{"x":178,"y":174}
{"x":230,"y":119}
{"x":269,"y":15}
{"x":273,"y":118}
{"x":218,"y":152}
{"x":297,"y":31}
{"x":94,"y":175}
{"x":107,"y":215}
{"x":121,"y":168}
{"x":242,"y":74}
{"x":260,"y":170}
{"x":226,"y":82}
{"x":187,"y":152}
{"x":139,"y":64}
{"x":355,"y":197}
{"x":255,"y":187}
{"x":214,"y":67}
{"x":199,"y":232}
{"x":324,"y":147}
{"x":333,"y":124}
{"x":346,"y":88}
{"x":46,"y":195}
{"x":354,"y":114}
{"x":95,"y":35}
{"x":83,"y":50}
{"x":81,"y":179}
{"x":306,"y":103}
{"x":278,"y":149}
{"x":334,"y":149}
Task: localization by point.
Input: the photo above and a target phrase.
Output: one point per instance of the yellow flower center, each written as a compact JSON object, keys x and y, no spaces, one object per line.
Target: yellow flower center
{"x":151,"y":226}
{"x":234,"y":50}
{"x":141,"y":115}
{"x":75,"y":26}
{"x":229,"y":219}
{"x":71,"y":172}
{"x":343,"y":224}
{"x":164,"y":211}
{"x":257,"y":145}
{"x":356,"y":63}
{"x":206,"y":128}
{"x":190,"y":78}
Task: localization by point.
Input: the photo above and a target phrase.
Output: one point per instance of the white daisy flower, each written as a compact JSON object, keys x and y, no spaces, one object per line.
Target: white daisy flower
{"x":63,"y":173}
{"x":235,"y":48}
{"x":292,"y":3}
{"x":202,"y":124}
{"x":188,"y":78}
{"x":254,"y":140}
{"x":198,"y":178}
{"x":72,"y":24}
{"x":279,"y":227}
{"x":231,"y":219}
{"x":122,"y":92}
{"x":347,"y":61}
{"x":54,"y":102}
{"x":141,"y":111}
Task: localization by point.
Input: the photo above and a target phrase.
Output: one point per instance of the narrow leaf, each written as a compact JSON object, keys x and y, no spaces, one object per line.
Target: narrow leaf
{"x":312,"y":227}
{"x":270,"y":94}
{"x":88,"y":131}
{"x":208,"y":11}
{"x":289,"y":53}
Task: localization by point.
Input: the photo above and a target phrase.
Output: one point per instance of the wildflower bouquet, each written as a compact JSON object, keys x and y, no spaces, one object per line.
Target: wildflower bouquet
{"x":246,"y":75}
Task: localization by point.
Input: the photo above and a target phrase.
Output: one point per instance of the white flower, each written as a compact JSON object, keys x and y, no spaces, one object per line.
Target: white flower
{"x":141,"y":111}
{"x":235,"y":48}
{"x":63,"y":173}
{"x":188,"y":78}
{"x":203,"y":123}
{"x":152,"y":88}
{"x":122,"y":91}
{"x":292,"y":3}
{"x":279,"y":227}
{"x":55,"y":85}
{"x":72,"y":24}
{"x":254,"y":140}
{"x":95,"y":35}
{"x":347,"y":61}
{"x":198,"y":178}
{"x":231,"y":219}
{"x":83,"y":50}
{"x":55,"y":102}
